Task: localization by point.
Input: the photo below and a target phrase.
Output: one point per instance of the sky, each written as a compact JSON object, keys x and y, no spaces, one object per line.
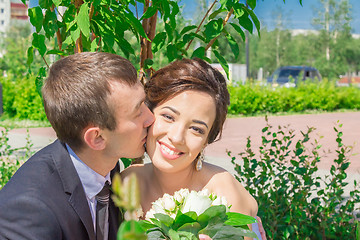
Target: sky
{"x":297,"y":16}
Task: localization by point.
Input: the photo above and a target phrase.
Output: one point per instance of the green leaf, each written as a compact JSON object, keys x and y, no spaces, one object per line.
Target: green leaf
{"x":173,"y":235}
{"x":238,"y":219}
{"x":251,"y":3}
{"x":155,"y":234}
{"x":149,"y":12}
{"x":39,"y":80}
{"x":158,"y":42}
{"x":45,"y":4}
{"x":239,"y":30}
{"x":233,"y":45}
{"x":222,"y":62}
{"x":187,"y":28}
{"x":56,"y":52}
{"x":126,"y":162}
{"x":171,"y":52}
{"x":57,"y":2}
{"x":357,"y":230}
{"x":125,"y":46}
{"x":219,"y":231}
{"x":50,"y":24}
{"x":94,"y":45}
{"x":199,"y":53}
{"x":299,"y":151}
{"x":239,"y":10}
{"x":30,"y":55}
{"x":170,"y":32}
{"x":146,"y":225}
{"x":75,"y":34}
{"x":183,"y":218}
{"x":255,"y":20}
{"x":213,"y":29}
{"x":193,"y":228}
{"x":211,"y":213}
{"x":246,"y":23}
{"x":83,"y":19}
{"x":36,"y":17}
{"x":131,"y":230}
{"x":39,"y":43}
{"x":148,"y":63}
{"x":217,"y":12}
{"x":135,"y":23}
{"x":165,"y":219}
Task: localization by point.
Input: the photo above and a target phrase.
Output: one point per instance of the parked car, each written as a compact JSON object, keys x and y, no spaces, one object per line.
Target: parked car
{"x":290,"y":76}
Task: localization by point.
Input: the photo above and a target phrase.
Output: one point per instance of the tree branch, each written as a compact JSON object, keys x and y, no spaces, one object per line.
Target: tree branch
{"x":224,"y":23}
{"x":202,"y":21}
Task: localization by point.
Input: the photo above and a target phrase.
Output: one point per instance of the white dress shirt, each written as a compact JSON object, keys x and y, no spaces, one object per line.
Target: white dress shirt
{"x":92,"y":183}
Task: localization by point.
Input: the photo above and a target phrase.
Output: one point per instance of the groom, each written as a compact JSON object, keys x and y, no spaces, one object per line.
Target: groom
{"x":96,"y":106}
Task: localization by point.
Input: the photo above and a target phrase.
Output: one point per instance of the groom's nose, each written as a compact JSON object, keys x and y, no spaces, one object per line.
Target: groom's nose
{"x":149,"y":117}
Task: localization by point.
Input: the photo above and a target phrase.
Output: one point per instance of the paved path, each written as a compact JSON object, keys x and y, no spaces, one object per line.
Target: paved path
{"x":236,"y":130}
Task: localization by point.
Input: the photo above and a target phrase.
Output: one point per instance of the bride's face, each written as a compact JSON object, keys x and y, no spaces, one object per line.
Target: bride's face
{"x":182,"y":125}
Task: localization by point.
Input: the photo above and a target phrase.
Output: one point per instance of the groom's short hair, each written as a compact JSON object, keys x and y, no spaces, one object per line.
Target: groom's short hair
{"x":76,"y":90}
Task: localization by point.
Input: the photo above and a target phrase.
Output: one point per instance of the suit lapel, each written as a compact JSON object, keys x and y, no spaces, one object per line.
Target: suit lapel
{"x":114,"y":213}
{"x":72,"y":186}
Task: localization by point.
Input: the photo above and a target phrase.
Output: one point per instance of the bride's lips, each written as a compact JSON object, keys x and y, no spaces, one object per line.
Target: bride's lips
{"x":169,"y":152}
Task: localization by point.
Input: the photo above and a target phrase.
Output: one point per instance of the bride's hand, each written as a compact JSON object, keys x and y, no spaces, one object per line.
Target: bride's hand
{"x":204,"y":237}
{"x":261,"y":228}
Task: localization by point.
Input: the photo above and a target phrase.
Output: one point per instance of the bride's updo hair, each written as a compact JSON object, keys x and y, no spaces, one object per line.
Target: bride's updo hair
{"x":190,"y":74}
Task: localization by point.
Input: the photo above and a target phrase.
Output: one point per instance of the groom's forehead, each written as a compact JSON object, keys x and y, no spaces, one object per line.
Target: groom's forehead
{"x":126,"y":97}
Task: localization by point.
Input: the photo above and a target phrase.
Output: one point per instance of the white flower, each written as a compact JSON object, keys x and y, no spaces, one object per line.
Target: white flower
{"x":181,"y":194}
{"x":221,"y":201}
{"x":158,"y":206}
{"x":150,"y":214}
{"x":168,"y":202}
{"x":204,"y":192}
{"x":196,"y":202}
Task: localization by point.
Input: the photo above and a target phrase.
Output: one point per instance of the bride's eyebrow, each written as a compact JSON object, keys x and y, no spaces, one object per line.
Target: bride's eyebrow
{"x":201,"y":122}
{"x":172,"y":109}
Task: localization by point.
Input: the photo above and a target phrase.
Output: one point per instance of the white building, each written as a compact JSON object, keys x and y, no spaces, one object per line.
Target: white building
{"x":5,"y":14}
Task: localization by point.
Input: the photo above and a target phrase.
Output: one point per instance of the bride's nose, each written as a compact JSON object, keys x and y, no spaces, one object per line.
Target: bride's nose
{"x":176,"y":134}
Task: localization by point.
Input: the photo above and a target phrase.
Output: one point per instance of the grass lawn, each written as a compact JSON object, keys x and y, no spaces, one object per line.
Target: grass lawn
{"x":11,"y":123}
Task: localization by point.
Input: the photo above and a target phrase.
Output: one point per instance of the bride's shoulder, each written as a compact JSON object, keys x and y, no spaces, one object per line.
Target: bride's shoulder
{"x":225,"y":184}
{"x":139,"y":170}
{"x":217,"y":175}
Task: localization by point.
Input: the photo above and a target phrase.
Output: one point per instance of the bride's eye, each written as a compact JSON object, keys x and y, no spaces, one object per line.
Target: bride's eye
{"x":198,"y":130}
{"x":167,"y":117}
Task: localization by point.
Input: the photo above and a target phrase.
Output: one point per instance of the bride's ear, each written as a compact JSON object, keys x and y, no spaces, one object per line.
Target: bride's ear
{"x":93,"y":138}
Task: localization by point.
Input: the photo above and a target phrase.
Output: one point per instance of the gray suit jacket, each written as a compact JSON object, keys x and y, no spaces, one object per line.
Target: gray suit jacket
{"x":45,"y":200}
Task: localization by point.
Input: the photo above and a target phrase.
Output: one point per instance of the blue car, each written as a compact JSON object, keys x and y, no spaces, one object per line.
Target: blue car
{"x":290,"y":76}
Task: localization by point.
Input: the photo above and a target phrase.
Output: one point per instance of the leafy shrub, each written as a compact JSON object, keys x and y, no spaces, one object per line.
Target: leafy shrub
{"x":11,"y":158}
{"x":21,"y":99}
{"x":251,"y":99}
{"x":294,"y":202}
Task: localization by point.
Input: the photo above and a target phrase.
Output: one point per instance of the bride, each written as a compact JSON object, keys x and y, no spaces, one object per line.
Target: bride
{"x":189,"y":99}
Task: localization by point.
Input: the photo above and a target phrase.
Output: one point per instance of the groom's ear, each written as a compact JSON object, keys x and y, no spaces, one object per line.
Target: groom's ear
{"x":93,"y":138}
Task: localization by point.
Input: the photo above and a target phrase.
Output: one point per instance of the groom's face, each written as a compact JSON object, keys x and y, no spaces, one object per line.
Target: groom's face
{"x":132,"y":120}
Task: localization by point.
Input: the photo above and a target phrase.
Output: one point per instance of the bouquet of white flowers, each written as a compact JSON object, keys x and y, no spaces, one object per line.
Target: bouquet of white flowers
{"x":186,"y":214}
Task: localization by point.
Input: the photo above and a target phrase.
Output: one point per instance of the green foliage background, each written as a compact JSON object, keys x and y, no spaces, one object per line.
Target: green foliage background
{"x":251,"y":99}
{"x":295,"y":201}
{"x":21,"y":99}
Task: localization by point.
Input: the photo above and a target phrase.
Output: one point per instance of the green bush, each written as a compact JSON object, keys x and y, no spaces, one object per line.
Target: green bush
{"x":11,"y":158}
{"x":21,"y":99}
{"x":252,"y":99}
{"x":294,"y":201}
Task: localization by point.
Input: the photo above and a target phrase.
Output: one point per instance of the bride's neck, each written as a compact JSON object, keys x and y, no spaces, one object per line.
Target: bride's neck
{"x":171,"y":182}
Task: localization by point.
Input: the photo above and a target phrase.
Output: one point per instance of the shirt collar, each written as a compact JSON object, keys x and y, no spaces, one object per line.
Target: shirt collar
{"x":92,"y":181}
